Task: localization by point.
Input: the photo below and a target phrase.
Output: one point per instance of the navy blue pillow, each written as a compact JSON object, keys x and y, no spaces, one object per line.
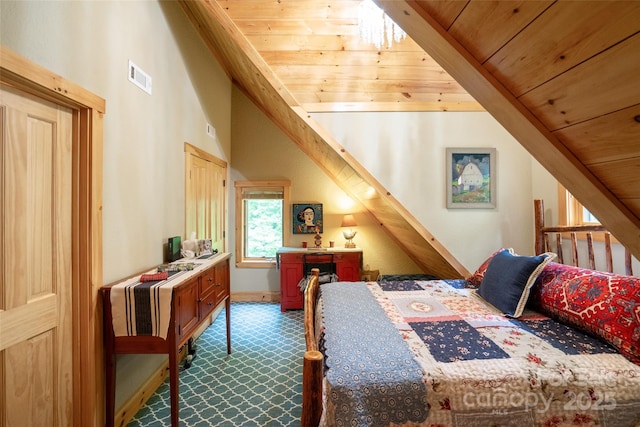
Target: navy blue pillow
{"x":509,"y":278}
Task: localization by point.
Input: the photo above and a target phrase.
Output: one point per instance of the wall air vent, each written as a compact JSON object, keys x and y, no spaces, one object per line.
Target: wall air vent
{"x":139,"y":77}
{"x":211,"y":131}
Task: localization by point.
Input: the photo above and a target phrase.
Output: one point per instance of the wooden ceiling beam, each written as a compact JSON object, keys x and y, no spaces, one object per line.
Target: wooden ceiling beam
{"x":356,"y":57}
{"x":293,"y":10}
{"x":382,"y":98}
{"x":406,"y":74}
{"x":314,"y":42}
{"x":329,"y":84}
{"x":337,"y":107}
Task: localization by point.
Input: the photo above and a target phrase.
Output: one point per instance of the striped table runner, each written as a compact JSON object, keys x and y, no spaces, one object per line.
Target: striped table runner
{"x":144,"y":308}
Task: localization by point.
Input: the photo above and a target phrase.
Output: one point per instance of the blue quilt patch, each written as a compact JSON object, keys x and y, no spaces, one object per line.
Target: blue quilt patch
{"x":456,"y":283}
{"x":403,"y":285}
{"x":412,"y":285}
{"x":455,"y":340}
{"x":564,"y":338}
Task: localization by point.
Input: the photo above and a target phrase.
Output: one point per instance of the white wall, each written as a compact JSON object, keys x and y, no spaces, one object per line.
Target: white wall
{"x":406,"y":153}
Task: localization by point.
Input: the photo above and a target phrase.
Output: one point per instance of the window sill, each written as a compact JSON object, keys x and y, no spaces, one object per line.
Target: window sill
{"x":271,"y":263}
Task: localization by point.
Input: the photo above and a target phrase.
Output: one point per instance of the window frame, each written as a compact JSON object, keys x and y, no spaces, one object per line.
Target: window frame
{"x":240,"y":226}
{"x":570,"y":210}
{"x":570,"y":213}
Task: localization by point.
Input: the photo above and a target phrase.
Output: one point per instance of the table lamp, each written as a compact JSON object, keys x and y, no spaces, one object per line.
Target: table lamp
{"x":349,"y":221}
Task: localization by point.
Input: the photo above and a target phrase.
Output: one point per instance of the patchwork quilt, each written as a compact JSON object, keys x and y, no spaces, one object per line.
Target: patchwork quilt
{"x":479,"y":368}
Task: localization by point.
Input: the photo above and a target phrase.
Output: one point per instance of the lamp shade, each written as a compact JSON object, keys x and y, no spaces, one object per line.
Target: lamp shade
{"x":348,"y":221}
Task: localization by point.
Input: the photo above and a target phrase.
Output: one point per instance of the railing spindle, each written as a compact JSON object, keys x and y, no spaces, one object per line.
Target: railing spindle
{"x":592,"y":258}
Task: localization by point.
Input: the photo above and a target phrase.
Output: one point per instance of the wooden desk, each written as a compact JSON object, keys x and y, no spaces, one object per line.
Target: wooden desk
{"x":348,"y":263}
{"x":192,"y":302}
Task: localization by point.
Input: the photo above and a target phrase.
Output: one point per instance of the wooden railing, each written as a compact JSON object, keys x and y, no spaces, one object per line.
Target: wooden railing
{"x":550,"y":238}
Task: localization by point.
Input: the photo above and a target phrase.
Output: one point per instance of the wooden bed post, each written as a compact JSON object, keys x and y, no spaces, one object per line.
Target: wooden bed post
{"x":538,"y":208}
{"x":312,"y":368}
{"x":312,"y":388}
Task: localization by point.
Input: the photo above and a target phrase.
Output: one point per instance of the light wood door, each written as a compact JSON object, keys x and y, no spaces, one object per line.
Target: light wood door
{"x":36,"y":345}
{"x":205,"y":203}
{"x":200,"y":197}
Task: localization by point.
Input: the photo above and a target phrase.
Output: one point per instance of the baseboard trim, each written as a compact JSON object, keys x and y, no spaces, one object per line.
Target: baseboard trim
{"x":131,"y":407}
{"x":256,"y":296}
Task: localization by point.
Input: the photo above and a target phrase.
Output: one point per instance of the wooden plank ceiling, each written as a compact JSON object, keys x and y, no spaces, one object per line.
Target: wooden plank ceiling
{"x":560,"y":76}
{"x":314,"y":49}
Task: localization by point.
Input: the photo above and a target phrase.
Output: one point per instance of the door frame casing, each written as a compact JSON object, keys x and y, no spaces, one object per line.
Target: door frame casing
{"x":88,"y":111}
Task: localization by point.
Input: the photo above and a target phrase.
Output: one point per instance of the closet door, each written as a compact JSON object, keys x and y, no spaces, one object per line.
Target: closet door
{"x":36,"y":341}
{"x":199,"y":198}
{"x":205,"y":200}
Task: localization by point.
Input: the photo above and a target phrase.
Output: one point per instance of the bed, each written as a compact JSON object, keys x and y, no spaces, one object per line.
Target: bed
{"x":562,"y":348}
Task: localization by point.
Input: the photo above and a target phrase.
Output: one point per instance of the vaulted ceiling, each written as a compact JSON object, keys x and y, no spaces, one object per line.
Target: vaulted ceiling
{"x":561,"y":77}
{"x":315,"y":50}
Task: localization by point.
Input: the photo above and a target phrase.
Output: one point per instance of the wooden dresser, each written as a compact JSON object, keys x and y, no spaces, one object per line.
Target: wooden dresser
{"x":194,"y":295}
{"x":291,"y":261}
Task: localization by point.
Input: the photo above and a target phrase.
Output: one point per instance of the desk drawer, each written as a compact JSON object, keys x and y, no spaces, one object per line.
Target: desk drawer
{"x":291,"y":258}
{"x":207,"y":304}
{"x":208,"y":281}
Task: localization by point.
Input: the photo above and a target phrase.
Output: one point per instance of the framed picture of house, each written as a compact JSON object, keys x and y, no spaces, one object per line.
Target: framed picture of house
{"x":471,"y":178}
{"x":307,"y":218}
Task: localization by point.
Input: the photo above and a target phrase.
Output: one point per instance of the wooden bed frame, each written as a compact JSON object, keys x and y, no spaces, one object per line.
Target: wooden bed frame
{"x":550,"y":239}
{"x":313,"y":365}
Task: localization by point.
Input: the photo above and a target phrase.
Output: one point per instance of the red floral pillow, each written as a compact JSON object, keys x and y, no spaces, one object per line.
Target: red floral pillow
{"x":604,"y":304}
{"x":475,"y":279}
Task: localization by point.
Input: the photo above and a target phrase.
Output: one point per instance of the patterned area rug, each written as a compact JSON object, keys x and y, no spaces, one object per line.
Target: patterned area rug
{"x":259,"y":384}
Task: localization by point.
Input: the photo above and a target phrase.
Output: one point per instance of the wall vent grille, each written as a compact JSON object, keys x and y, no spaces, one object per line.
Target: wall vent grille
{"x":139,"y":77}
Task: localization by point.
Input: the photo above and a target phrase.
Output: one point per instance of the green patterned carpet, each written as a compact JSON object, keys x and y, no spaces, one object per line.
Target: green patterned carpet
{"x":259,"y":384}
